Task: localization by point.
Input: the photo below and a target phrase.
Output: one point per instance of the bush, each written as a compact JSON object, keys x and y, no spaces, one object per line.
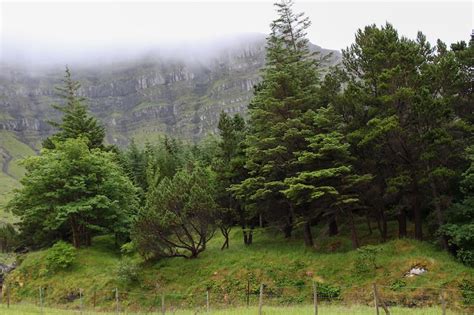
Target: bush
{"x":366,"y":261}
{"x":467,"y":291}
{"x":127,"y":271}
{"x":60,"y":256}
{"x":328,"y":291}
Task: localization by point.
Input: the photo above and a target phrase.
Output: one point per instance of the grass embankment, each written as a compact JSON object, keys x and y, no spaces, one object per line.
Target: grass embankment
{"x":12,"y":150}
{"x":294,"y":310}
{"x":286,"y":267}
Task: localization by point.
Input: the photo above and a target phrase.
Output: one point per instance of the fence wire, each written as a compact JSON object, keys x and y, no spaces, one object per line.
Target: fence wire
{"x":121,"y":300}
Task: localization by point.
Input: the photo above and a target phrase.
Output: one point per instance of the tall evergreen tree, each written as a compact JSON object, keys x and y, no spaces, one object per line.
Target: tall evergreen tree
{"x":326,"y":184}
{"x":400,"y":108}
{"x":76,"y":122}
{"x":277,"y":115}
{"x":229,"y":168}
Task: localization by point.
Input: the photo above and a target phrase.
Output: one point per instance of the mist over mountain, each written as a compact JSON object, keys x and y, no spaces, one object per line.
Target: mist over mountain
{"x":141,"y":94}
{"x":175,"y":90}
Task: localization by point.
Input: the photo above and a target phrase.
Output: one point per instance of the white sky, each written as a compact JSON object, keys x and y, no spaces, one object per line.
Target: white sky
{"x":56,"y":30}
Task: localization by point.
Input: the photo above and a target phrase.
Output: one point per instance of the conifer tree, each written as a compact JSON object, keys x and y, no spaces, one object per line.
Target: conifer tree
{"x":76,"y":122}
{"x":326,"y":184}
{"x":229,"y":168}
{"x":277,"y":115}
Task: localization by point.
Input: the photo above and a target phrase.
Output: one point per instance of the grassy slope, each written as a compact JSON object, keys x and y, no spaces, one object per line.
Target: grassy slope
{"x":13,"y":147}
{"x":285,"y":266}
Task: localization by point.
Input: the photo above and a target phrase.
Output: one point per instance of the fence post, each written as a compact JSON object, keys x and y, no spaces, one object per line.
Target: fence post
{"x":117,"y":305}
{"x":41,"y":299}
{"x":207,"y":301}
{"x":376,"y":300}
{"x":315,"y":297}
{"x":8,"y":296}
{"x":260,"y":300}
{"x":163,"y":307}
{"x":443,"y":302}
{"x":94,"y":299}
{"x":80,"y":301}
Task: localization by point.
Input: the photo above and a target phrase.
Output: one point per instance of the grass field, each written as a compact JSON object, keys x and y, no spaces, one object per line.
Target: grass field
{"x":301,"y":310}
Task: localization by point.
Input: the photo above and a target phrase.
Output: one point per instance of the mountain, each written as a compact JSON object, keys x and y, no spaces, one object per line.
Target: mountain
{"x":178,"y":91}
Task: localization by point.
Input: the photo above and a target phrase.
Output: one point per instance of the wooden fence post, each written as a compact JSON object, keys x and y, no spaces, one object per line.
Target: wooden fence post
{"x":117,"y":305}
{"x":376,"y":300}
{"x":80,"y":301}
{"x":163,"y":307}
{"x":41,"y":299}
{"x":443,"y":302}
{"x":260,"y":300}
{"x":315,"y":297}
{"x":207,"y":301}
{"x":94,"y":299}
{"x":8,"y":296}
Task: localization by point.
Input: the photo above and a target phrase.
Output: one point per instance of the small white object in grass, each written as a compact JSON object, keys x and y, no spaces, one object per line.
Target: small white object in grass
{"x":415,"y":271}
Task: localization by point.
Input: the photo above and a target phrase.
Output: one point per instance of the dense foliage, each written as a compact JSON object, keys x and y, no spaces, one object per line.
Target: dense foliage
{"x":60,"y":256}
{"x":386,"y":135}
{"x":74,"y":192}
{"x":74,"y":189}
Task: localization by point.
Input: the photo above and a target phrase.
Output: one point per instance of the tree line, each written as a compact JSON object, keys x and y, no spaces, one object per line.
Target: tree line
{"x":385,"y":135}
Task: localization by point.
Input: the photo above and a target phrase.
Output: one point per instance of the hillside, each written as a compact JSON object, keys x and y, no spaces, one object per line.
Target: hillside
{"x":285,"y":267}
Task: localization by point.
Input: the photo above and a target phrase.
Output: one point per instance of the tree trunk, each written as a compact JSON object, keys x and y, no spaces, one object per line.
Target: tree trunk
{"x":416,"y":206}
{"x":250,"y":237}
{"x":308,"y":236}
{"x":369,"y":226}
{"x":382,"y":224}
{"x":288,"y":229}
{"x":333,"y":229}
{"x":225,"y":232}
{"x":439,"y":214}
{"x":76,"y":241}
{"x":354,"y":238}
{"x":402,"y":223}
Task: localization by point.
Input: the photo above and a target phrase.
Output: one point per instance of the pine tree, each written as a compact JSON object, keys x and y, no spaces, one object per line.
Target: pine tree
{"x":326,"y":184}
{"x":179,"y":217}
{"x":229,"y":168}
{"x":76,"y":122}
{"x":286,"y":93}
{"x":400,"y":107}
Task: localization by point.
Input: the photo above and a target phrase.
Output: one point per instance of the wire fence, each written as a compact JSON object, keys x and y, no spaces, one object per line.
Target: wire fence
{"x":381,"y":297}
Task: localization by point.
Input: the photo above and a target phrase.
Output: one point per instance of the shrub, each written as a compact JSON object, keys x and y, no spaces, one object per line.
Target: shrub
{"x":366,"y":261}
{"x":397,"y":285}
{"x":60,"y":256}
{"x":328,"y":291}
{"x":127,"y":271}
{"x":467,"y":291}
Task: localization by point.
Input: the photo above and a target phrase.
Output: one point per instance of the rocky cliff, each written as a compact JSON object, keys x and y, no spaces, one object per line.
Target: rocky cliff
{"x":178,"y":94}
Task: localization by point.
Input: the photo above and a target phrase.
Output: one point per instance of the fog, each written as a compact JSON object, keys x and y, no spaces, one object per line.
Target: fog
{"x":38,"y":33}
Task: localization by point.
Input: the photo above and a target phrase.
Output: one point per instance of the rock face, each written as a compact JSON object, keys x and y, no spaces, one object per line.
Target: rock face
{"x":181,"y":95}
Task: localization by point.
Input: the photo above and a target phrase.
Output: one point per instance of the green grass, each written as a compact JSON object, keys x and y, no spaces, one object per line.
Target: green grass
{"x":13,"y":147}
{"x":286,"y":267}
{"x":7,"y":183}
{"x":17,"y":150}
{"x":294,"y":310}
